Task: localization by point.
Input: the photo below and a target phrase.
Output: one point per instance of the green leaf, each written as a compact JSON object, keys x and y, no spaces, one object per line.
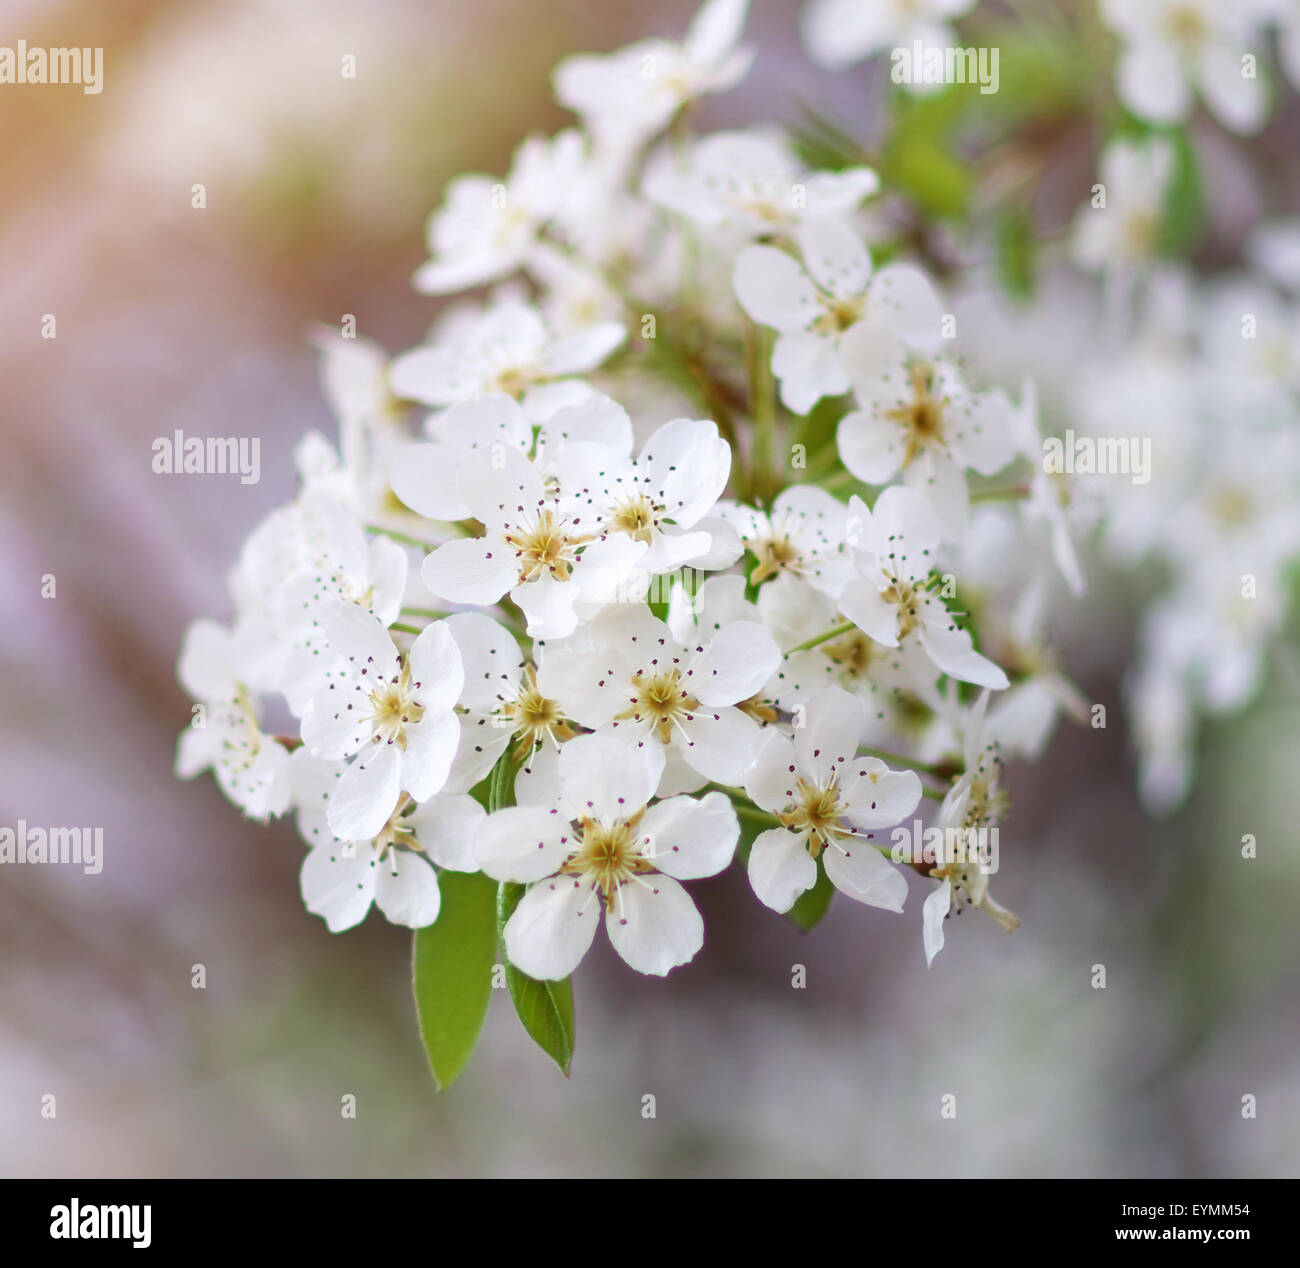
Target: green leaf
{"x":545,"y":1008}
{"x":1184,"y":201}
{"x":501,"y":782}
{"x":813,"y":903}
{"x":1017,"y":263}
{"x":451,"y":971}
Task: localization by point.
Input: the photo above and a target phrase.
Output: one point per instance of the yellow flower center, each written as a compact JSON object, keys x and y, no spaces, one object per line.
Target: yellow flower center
{"x":921,"y":417}
{"x":607,"y":855}
{"x":661,"y":698}
{"x":545,"y":548}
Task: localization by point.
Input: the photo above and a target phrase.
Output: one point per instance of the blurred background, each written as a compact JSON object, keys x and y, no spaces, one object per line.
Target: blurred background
{"x":168,"y":316}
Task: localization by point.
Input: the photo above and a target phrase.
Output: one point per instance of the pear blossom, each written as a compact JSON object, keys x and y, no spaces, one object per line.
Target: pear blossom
{"x":894,"y":598}
{"x":830,"y":800}
{"x":392,"y":710}
{"x":803,"y":535}
{"x":1123,"y":233}
{"x":838,"y":33}
{"x":917,"y":415}
{"x":393,"y":870}
{"x":504,"y":347}
{"x":752,"y":183}
{"x":501,"y":705}
{"x":812,"y":306}
{"x":602,"y":844}
{"x":250,"y":768}
{"x":638,"y":683}
{"x":970,"y":810}
{"x":1171,"y":47}
{"x":549,"y":554}
{"x":485,"y":228}
{"x":661,"y":497}
{"x":627,"y":96}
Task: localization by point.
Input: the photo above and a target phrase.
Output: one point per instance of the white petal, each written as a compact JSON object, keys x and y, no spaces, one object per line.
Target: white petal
{"x":770,"y":780}
{"x":492,"y":661}
{"x":871,"y":448}
{"x":952,"y":650}
{"x":835,"y":256}
{"x":858,"y":869}
{"x":868,"y":609}
{"x":903,"y":299}
{"x":735,"y":664}
{"x":832,"y":729}
{"x":879,"y":797}
{"x":608,"y":779}
{"x":471,"y":570}
{"x":1150,"y":82}
{"x":500,"y":486}
{"x":807,"y":363}
{"x":690,"y":837}
{"x":366,"y":794}
{"x":522,"y":843}
{"x":933,"y":914}
{"x":437,"y":674}
{"x":584,"y":350}
{"x":430,"y":749}
{"x":774,"y":290}
{"x":356,"y":634}
{"x":552,"y":928}
{"x":205,"y":667}
{"x":719,"y":743}
{"x":336,"y":885}
{"x":424,"y":477}
{"x":780,"y":868}
{"x":406,"y":890}
{"x":1239,"y":103}
{"x":445,"y":826}
{"x":654,"y":925}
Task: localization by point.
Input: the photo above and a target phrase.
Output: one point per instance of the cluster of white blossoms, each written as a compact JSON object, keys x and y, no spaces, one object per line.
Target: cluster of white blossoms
{"x":1205,"y":376}
{"x":668,"y":637}
{"x":690,"y":536}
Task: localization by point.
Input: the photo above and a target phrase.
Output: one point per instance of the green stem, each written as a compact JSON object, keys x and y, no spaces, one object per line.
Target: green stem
{"x":406,"y":629}
{"x":425,"y":612}
{"x":834,"y":632}
{"x":402,"y":537}
{"x":899,"y":760}
{"x":1001,"y":495}
{"x":762,"y":392}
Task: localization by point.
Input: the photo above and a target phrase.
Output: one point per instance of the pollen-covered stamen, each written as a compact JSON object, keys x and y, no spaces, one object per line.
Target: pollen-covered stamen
{"x":241,"y":737}
{"x":921,"y":416}
{"x":907,"y":598}
{"x":661,"y":698}
{"x":1186,"y":27}
{"x":393,"y":708}
{"x":637,"y":516}
{"x":966,"y":868}
{"x":815,"y":813}
{"x":759,"y":709}
{"x":839,"y":314}
{"x":775,"y":554}
{"x":608,"y":854}
{"x":853,"y":654}
{"x":545,"y":547}
{"x":396,"y":832}
{"x":535,"y":717}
